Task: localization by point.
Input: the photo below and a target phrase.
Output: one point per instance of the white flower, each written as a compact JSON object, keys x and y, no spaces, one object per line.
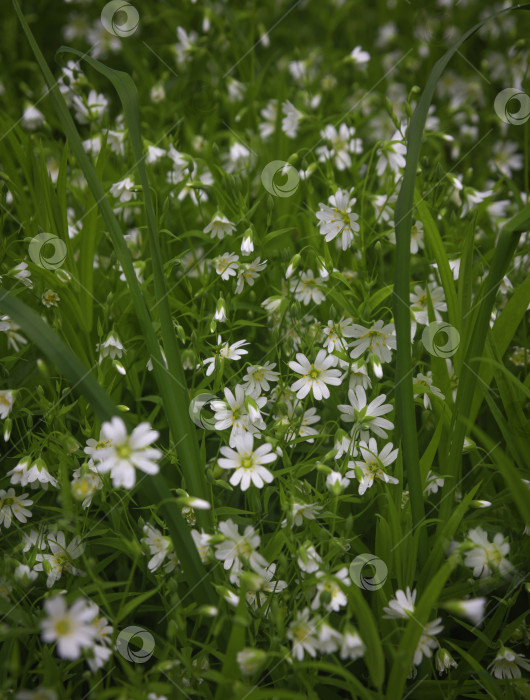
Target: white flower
{"x":422,"y":384}
{"x":230,"y":352}
{"x":32,"y":118}
{"x":380,"y":340}
{"x":91,"y":109}
{"x":41,"y":693}
{"x":250,"y":660}
{"x":7,"y":399}
{"x":70,"y":627}
{"x":50,"y":298}
{"x":444,"y":661}
{"x":236,"y":546}
{"x":24,"y":574}
{"x":304,"y":510}
{"x":353,"y":646}
{"x":226,"y":265}
{"x":366,"y":418}
{"x":258,"y":377}
{"x":315,"y":375}
{"x":247,"y":244}
{"x":472,"y":609}
{"x":125,"y":453}
{"x":12,"y":506}
{"x":341,"y":144}
{"x":334,"y":333}
{"x":302,"y":633}
{"x":331,"y":584}
{"x":372,"y":464}
{"x":305,"y":289}
{"x":21,"y":273}
{"x":154,"y":154}
{"x":219,"y":227}
{"x":270,"y":115}
{"x":329,"y":640}
{"x":10,"y":328}
{"x":427,"y":642}
{"x":233,"y":413}
{"x":402,"y":606}
{"x":248,"y":272}
{"x":247,"y":462}
{"x":60,"y":558}
{"x":420,"y":305}
{"x":159,"y":546}
{"x":392,"y":155}
{"x":487,"y":556}
{"x":100,"y":652}
{"x":202,"y":542}
{"x":359,"y":56}
{"x":123,"y":190}
{"x":291,"y":120}
{"x":37,"y":474}
{"x":338,"y":218}
{"x":185,"y":45}
{"x":432,"y":483}
{"x":85,"y":484}
{"x":309,"y":560}
{"x":336,"y":483}
{"x":508,"y":664}
{"x":416,"y":237}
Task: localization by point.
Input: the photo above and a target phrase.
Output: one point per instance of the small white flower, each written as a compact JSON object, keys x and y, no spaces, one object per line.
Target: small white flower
{"x":380,"y":340}
{"x":32,"y":118}
{"x":60,"y":558}
{"x":359,"y":56}
{"x":219,"y":227}
{"x":338,"y":219}
{"x":258,"y":377}
{"x":329,"y":640}
{"x":487,"y":556}
{"x":444,"y":661}
{"x":247,"y":462}
{"x":36,"y":474}
{"x":124,"y":453}
{"x":236,"y":546}
{"x":331,"y":584}
{"x":7,"y":399}
{"x":309,"y":560}
{"x":315,"y":375}
{"x":508,"y":664}
{"x":336,"y":483}
{"x":50,"y":298}
{"x":302,"y":633}
{"x":420,"y":305}
{"x":427,"y":641}
{"x":402,"y":606}
{"x":226,"y":265}
{"x":70,"y":627}
{"x":12,"y":506}
{"x":366,"y":417}
{"x":291,"y":120}
{"x":306,"y":288}
{"x":248,"y":272}
{"x":123,"y":190}
{"x":372,"y":464}
{"x":340,"y":144}
{"x":353,"y":646}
